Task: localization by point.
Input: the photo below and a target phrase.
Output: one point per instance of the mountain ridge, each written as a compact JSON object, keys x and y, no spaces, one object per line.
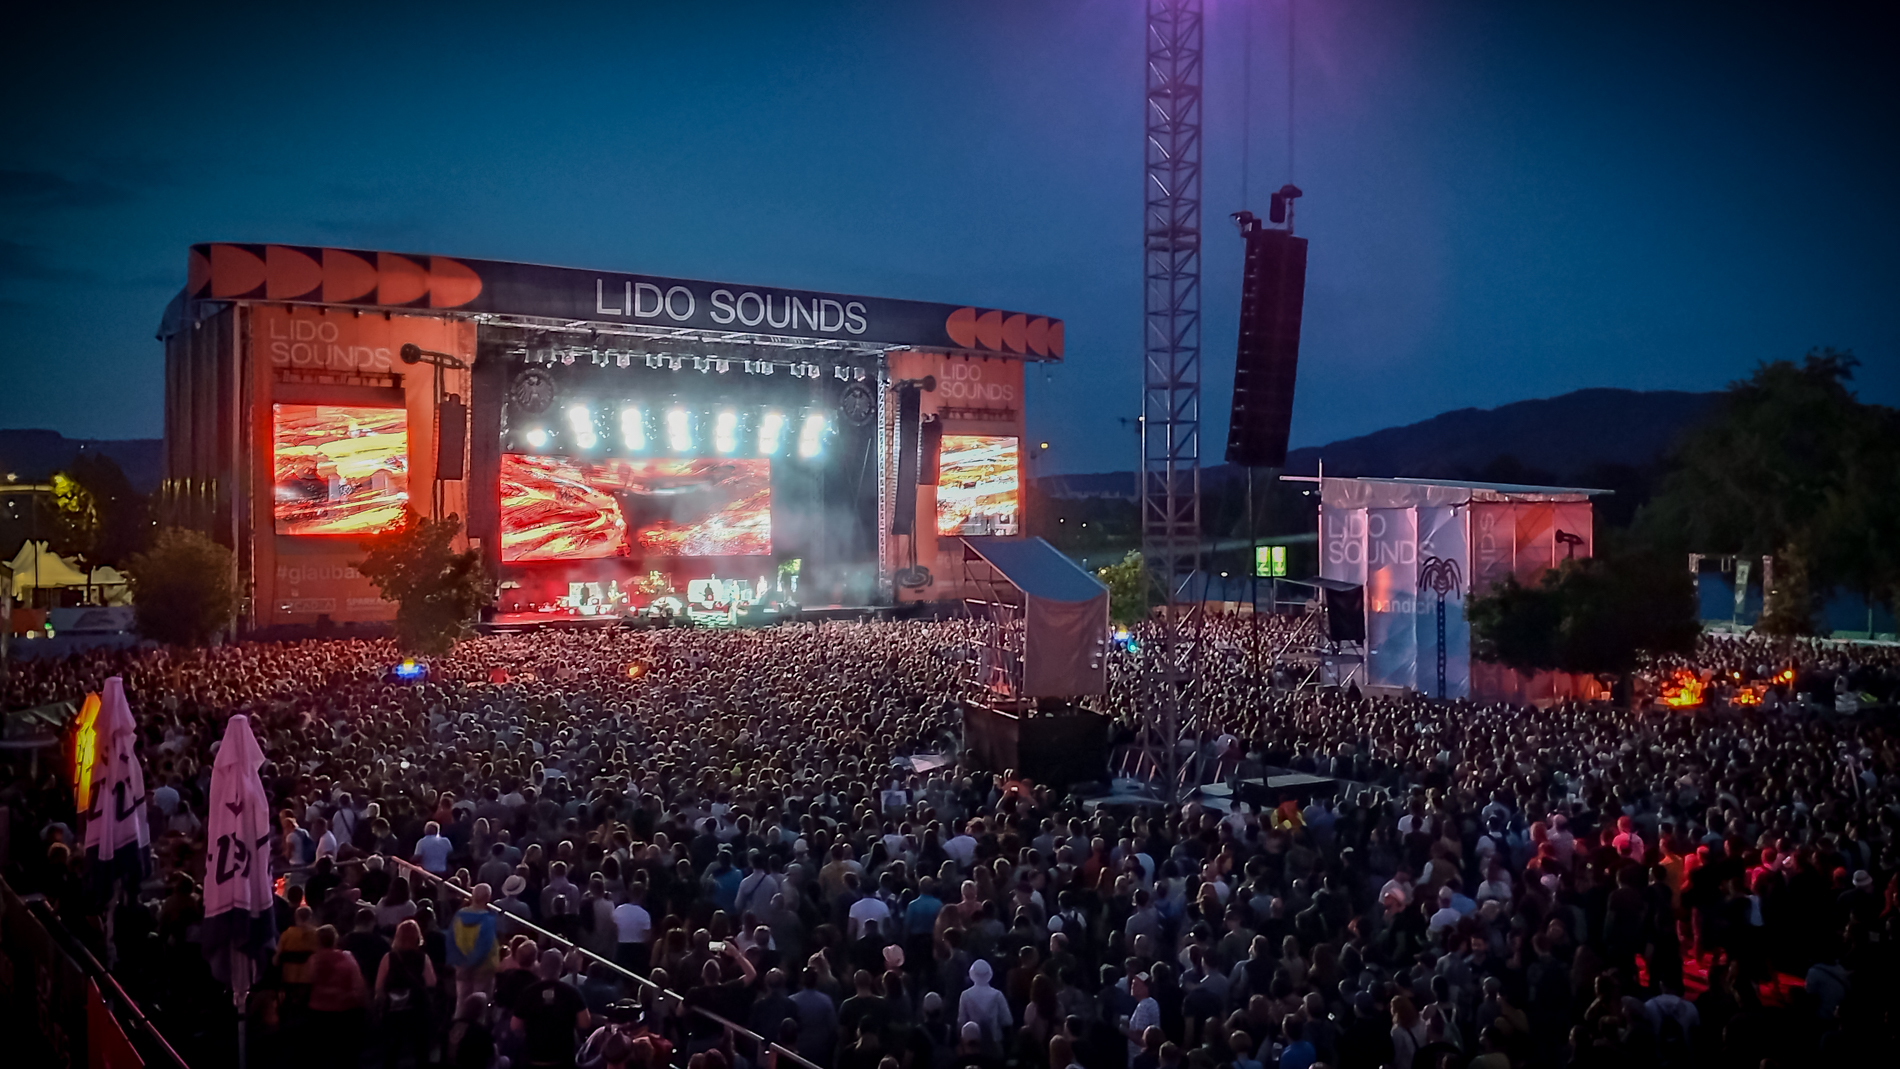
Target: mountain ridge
{"x":1552,"y":440}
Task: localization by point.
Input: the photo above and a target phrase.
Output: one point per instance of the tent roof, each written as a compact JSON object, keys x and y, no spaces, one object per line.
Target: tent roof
{"x":52,"y":569}
{"x":1037,"y":568}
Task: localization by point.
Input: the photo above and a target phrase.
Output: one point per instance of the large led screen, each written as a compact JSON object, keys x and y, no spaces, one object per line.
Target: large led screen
{"x":556,"y":508}
{"x":339,"y":469}
{"x":977,"y":485}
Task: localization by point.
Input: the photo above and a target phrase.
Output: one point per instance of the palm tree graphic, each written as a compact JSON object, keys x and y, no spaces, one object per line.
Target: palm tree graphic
{"x":1440,"y":576}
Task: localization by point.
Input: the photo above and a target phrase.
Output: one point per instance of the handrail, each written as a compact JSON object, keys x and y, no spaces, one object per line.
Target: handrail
{"x":90,"y":963}
{"x":776,"y":1048}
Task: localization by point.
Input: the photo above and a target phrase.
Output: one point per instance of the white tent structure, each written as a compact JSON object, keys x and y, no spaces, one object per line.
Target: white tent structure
{"x":35,"y":567}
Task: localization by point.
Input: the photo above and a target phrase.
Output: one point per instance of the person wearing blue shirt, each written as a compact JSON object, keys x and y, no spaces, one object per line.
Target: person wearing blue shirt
{"x":1299,"y":1054}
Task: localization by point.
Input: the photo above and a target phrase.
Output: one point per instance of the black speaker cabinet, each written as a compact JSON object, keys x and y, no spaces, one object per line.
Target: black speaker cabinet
{"x":1267,"y":356}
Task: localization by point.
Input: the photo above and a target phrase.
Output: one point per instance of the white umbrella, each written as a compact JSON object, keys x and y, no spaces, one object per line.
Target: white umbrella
{"x":117,"y":838}
{"x":240,"y":925}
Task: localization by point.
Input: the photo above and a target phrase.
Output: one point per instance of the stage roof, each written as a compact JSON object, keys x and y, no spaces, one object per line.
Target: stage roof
{"x":1037,"y":568}
{"x":534,"y":295}
{"x":1363,"y":492}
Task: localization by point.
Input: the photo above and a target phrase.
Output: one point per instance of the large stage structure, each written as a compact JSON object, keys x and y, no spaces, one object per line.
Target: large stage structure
{"x":613,"y":441}
{"x":1418,"y":547}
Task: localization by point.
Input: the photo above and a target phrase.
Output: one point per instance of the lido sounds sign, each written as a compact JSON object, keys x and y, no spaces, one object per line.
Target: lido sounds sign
{"x":300,"y":274}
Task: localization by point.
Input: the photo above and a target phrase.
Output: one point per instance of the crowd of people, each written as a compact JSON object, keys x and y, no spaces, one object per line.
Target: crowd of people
{"x":721,"y":849}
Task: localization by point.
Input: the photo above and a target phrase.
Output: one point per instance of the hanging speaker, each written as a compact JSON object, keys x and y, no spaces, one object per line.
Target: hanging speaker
{"x":1267,"y":357}
{"x":451,"y":438}
{"x":930,"y":453}
{"x":909,"y":433}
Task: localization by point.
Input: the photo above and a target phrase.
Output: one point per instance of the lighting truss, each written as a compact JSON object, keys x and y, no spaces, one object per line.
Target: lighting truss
{"x":1171,"y":381}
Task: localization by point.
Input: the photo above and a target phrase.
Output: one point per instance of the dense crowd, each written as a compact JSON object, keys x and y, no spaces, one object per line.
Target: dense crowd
{"x":732,"y":817}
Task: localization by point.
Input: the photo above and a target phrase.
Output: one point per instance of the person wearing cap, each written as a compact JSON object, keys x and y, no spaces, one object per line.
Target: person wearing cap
{"x":984,"y":1006}
{"x":510,"y":901}
{"x":1147,"y":1013}
{"x":1860,"y":904}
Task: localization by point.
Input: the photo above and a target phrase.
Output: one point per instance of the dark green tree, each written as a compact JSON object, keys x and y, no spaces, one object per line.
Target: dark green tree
{"x":1791,"y":608}
{"x":1595,"y":616}
{"x":438,"y":592}
{"x":1515,"y":625}
{"x":1127,"y":584}
{"x":1790,"y":457}
{"x":184,"y":588}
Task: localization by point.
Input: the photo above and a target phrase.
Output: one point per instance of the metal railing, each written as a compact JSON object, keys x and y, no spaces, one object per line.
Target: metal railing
{"x":782,"y":1051}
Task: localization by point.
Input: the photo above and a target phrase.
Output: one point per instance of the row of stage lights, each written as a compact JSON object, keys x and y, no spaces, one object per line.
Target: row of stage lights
{"x":680,"y":430}
{"x":678,"y":361}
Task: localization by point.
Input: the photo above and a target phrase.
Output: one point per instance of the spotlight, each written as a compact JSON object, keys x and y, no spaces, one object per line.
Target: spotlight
{"x":537,"y":437}
{"x":633,"y":427}
{"x":771,"y":432}
{"x":582,"y":422}
{"x":726,"y":431}
{"x":811,"y":438}
{"x":679,"y":429}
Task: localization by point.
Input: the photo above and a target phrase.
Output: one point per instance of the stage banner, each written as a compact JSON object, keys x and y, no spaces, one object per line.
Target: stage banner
{"x":1444,"y":569}
{"x":1391,"y":591}
{"x":1534,"y":538}
{"x":367,"y":279}
{"x":1342,"y":544}
{"x":1493,"y":549}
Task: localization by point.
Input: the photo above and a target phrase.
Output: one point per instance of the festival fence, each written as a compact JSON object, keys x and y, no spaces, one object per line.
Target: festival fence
{"x":63,"y":1008}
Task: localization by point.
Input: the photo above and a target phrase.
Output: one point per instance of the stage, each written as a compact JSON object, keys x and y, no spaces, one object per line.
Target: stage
{"x":611,"y":442}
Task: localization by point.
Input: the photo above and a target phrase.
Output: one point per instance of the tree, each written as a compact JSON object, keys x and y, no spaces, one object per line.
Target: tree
{"x":184,"y":588}
{"x":1594,"y":616}
{"x":1127,"y":584}
{"x":1515,"y":625}
{"x":1790,"y":457}
{"x":1790,"y":609}
{"x":97,"y":516}
{"x":438,"y":592}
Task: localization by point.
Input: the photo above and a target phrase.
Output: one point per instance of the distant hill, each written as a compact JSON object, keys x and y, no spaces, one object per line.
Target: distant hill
{"x":1557,"y":440}
{"x":36,"y":454}
{"x":1565,"y":436}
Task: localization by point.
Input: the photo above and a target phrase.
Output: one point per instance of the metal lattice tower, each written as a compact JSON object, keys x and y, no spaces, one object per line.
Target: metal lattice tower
{"x":1171,"y":356}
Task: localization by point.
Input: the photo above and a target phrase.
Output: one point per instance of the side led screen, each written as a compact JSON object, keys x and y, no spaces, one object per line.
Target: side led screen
{"x":977,"y":485}
{"x":339,"y":469}
{"x":556,"y":508}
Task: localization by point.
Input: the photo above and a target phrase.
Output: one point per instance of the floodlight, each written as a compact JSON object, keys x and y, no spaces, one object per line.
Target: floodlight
{"x":811,"y":438}
{"x":679,"y":429}
{"x":537,"y":437}
{"x":582,"y":423}
{"x":633,"y":427}
{"x":726,"y":431}
{"x":771,"y":432}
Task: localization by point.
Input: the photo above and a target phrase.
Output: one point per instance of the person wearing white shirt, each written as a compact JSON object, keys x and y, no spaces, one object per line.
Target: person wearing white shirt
{"x":962,"y":848}
{"x":870,"y":908}
{"x":1147,"y":1014}
{"x":633,"y":933}
{"x":432,"y":850}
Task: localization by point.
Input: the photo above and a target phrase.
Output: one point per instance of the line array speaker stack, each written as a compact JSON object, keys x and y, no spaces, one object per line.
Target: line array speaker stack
{"x":1267,"y":358}
{"x":909,"y":446}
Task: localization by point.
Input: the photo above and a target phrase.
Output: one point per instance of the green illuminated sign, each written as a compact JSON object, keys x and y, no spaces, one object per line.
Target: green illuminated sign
{"x":1269,"y":562}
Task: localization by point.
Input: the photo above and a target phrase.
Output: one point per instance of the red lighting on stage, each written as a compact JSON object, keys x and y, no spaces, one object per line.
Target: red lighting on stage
{"x":554,"y":508}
